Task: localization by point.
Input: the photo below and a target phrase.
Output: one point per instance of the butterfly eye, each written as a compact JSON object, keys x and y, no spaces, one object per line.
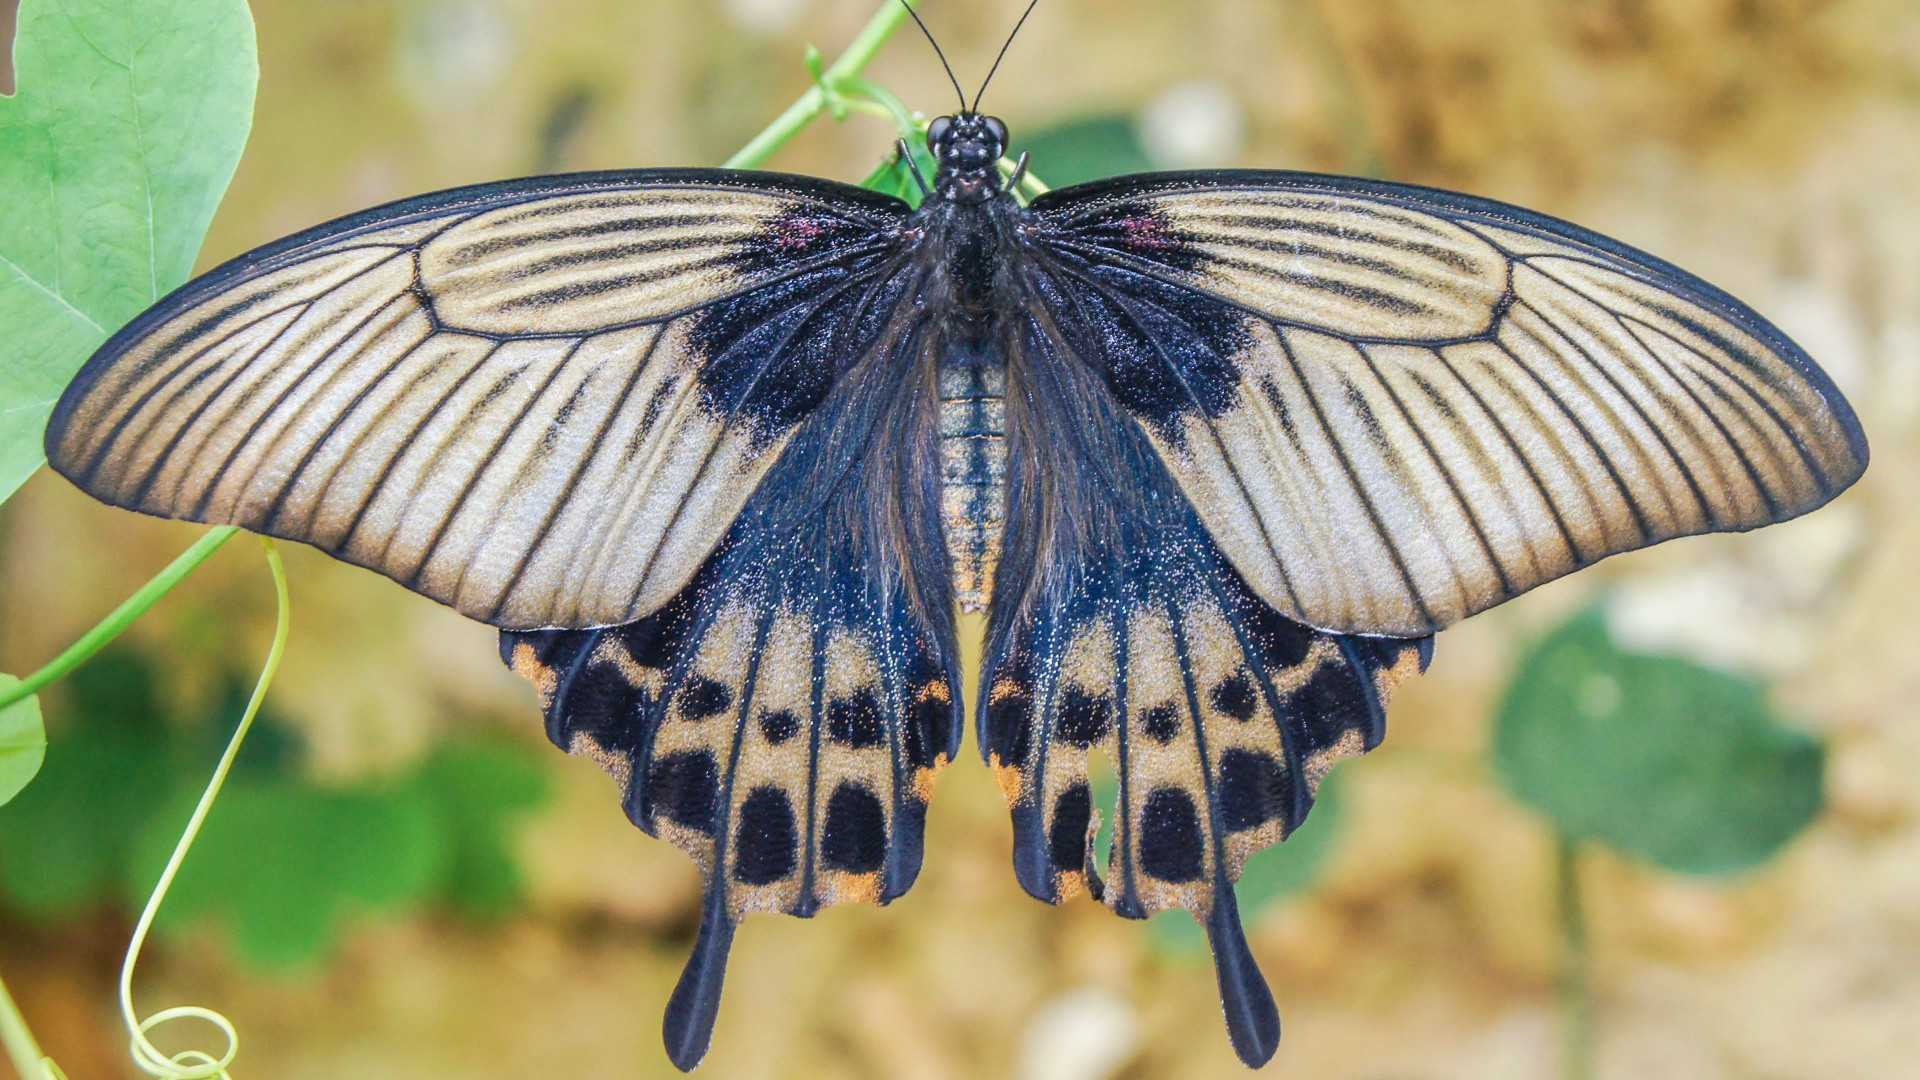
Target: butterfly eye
{"x":937,"y":131}
{"x":998,"y":130}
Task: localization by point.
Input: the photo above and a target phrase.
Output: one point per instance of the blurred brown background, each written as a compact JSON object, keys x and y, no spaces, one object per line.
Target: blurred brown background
{"x":1771,"y":146}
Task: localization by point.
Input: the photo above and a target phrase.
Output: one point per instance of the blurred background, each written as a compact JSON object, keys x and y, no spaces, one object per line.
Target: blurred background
{"x":1711,"y":747}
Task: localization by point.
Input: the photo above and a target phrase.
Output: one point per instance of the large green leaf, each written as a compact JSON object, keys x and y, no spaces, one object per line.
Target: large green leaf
{"x":478,"y":789}
{"x":125,"y":127}
{"x":1678,"y":764}
{"x":23,"y":742}
{"x":63,"y":840}
{"x":283,"y":868}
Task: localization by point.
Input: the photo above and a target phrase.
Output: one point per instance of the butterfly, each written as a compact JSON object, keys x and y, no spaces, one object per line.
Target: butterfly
{"x":721,"y":453}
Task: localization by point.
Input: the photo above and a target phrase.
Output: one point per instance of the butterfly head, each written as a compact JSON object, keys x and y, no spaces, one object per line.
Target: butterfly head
{"x":968,"y":147}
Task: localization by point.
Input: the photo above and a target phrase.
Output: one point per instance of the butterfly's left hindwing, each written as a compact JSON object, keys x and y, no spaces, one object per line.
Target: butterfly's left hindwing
{"x":1118,"y":626}
{"x":783,"y":717}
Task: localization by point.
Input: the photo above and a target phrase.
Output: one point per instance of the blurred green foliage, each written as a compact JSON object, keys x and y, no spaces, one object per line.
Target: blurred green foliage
{"x":1678,"y":764}
{"x":284,"y":864}
{"x":23,"y":742}
{"x":126,"y":125}
{"x":1083,"y":148}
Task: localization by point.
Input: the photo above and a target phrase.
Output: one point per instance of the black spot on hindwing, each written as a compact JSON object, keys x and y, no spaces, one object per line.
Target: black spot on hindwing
{"x":855,"y":720}
{"x":1252,"y":789}
{"x":1171,"y":845}
{"x":685,"y":788}
{"x":1235,"y":696}
{"x":1067,"y":836}
{"x":1084,"y":718}
{"x":766,"y":841}
{"x":703,"y":697}
{"x":856,"y":831}
{"x":779,"y":725}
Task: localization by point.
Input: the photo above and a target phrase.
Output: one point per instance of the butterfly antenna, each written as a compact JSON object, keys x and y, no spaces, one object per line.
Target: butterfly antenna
{"x":951,"y":77}
{"x":1003,"y":53}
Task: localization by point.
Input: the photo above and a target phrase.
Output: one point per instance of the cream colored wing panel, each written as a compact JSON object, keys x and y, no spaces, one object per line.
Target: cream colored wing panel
{"x":1354,"y":267}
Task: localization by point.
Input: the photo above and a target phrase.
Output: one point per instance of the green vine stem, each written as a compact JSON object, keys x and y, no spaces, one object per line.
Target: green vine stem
{"x":122,"y":617}
{"x":199,"y":1064}
{"x":810,"y":104}
{"x":1576,"y":970}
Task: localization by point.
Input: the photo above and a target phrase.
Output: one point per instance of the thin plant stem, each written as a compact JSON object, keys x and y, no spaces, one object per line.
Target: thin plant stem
{"x":814,"y":101}
{"x":122,"y":617}
{"x":1576,"y":970}
{"x":199,"y":1064}
{"x":25,"y":1054}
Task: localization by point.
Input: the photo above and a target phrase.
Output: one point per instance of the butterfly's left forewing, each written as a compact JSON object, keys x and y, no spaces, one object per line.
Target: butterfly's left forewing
{"x":541,"y":401}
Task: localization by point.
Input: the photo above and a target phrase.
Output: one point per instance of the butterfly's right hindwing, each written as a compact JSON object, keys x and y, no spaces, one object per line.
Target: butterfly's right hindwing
{"x":540,"y":402}
{"x":1118,"y":626}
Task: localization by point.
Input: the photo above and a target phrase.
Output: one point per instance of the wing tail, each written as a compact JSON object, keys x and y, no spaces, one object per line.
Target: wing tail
{"x":1253,"y":1020}
{"x":695,"y":1004}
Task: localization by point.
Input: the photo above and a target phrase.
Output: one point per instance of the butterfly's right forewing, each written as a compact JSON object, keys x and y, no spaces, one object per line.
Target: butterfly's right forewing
{"x":1394,"y":407}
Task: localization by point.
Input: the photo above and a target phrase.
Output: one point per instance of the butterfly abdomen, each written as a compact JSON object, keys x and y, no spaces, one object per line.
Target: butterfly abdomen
{"x":973,"y":463}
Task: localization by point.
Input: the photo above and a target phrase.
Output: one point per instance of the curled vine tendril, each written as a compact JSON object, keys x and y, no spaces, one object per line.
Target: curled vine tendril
{"x":198,"y":1064}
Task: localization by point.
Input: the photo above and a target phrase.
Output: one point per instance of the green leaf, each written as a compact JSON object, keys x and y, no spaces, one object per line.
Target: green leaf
{"x":477,"y":789}
{"x":284,"y":869}
{"x":894,"y":178}
{"x":1086,"y":148}
{"x":23,"y":742}
{"x":1674,"y":763}
{"x":126,"y":125}
{"x":1271,"y":874}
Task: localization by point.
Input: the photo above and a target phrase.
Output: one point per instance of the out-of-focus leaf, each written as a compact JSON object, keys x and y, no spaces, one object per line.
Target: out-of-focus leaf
{"x":477,"y":789}
{"x":126,"y":125}
{"x":283,"y":865}
{"x":1270,"y":875}
{"x":23,"y":742}
{"x":283,"y":869}
{"x":1085,"y":148}
{"x":1678,"y":764}
{"x":63,"y":840}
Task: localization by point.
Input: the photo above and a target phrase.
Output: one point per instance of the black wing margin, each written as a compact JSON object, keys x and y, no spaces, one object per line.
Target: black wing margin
{"x":1117,"y":625}
{"x":783,"y":717}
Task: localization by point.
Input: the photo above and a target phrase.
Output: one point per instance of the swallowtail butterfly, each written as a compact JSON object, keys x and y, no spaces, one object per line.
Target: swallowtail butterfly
{"x":721,"y":453}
